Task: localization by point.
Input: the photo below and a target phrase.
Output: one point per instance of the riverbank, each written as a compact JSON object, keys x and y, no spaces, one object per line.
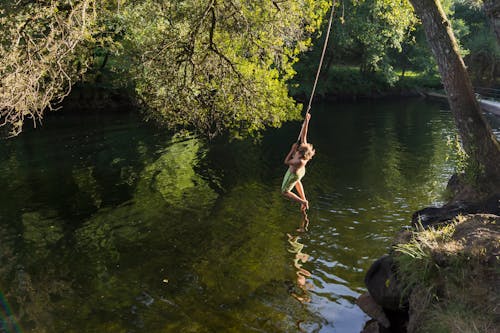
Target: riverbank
{"x":347,"y":83}
{"x":98,"y":98}
{"x":442,"y":276}
{"x":341,"y":83}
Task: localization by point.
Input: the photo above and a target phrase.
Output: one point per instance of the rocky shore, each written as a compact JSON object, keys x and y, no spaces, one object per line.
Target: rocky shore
{"x":442,"y":275}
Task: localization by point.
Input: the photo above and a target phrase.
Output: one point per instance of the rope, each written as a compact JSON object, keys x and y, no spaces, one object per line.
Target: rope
{"x":320,"y":62}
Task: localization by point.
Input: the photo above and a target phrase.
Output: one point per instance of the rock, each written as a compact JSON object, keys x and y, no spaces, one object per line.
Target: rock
{"x":371,"y":308}
{"x":383,"y":285}
{"x":371,"y":326}
{"x":479,"y":234}
{"x":434,"y":216}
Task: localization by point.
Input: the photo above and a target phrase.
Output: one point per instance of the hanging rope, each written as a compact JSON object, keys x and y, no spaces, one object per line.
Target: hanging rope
{"x":320,"y":62}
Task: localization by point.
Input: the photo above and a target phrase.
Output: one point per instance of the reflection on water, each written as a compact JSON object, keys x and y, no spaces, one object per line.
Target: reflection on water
{"x":304,"y":224}
{"x":8,"y":322}
{"x":302,"y":274}
{"x":109,"y":225}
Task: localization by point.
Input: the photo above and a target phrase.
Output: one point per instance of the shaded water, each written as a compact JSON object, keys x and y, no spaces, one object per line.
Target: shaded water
{"x":109,"y":225}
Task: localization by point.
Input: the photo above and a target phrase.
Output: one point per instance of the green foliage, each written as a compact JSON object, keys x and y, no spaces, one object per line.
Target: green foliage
{"x":349,"y":81}
{"x":379,"y":38}
{"x":415,"y":55}
{"x":469,"y":169}
{"x":218,"y":66}
{"x":483,"y":51}
{"x":415,"y":259}
{"x":384,"y":37}
{"x":40,"y":55}
{"x":210,"y":66}
{"x":340,"y":80}
{"x":423,"y":80}
{"x":370,"y":29}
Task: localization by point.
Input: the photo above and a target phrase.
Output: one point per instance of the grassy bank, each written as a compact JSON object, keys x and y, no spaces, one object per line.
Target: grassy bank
{"x":451,"y":276}
{"x":348,"y":81}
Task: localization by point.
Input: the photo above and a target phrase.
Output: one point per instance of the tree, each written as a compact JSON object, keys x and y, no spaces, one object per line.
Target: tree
{"x":39,"y":47}
{"x":476,"y":136}
{"x":415,"y":55}
{"x":209,"y":66}
{"x":368,"y":30}
{"x":482,"y":51}
{"x":492,"y":10}
{"x":218,"y":65}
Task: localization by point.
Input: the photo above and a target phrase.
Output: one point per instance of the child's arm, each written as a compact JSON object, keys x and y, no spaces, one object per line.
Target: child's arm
{"x":290,"y":154}
{"x":303,"y":132}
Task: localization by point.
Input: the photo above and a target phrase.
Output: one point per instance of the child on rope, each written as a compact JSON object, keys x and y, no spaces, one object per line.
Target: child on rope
{"x":296,"y":160}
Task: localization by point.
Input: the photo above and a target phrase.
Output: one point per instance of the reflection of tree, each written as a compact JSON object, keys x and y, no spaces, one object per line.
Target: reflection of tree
{"x":246,"y":254}
{"x":16,"y":188}
{"x":245,"y":269}
{"x":88,"y":185}
{"x":109,"y":238}
{"x":34,"y":293}
{"x":168,"y":182}
{"x":8,"y":260}
{"x":173,"y":176}
{"x":41,"y":233}
{"x":31,"y":290}
{"x":404,"y":150}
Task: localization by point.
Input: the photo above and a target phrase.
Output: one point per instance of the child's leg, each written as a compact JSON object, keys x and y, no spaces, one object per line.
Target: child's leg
{"x":294,"y":197}
{"x":302,"y":195}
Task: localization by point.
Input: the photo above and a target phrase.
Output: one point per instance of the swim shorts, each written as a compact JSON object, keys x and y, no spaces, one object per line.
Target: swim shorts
{"x":290,"y":180}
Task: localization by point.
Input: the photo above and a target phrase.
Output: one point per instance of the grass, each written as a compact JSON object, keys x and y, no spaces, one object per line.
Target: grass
{"x":349,"y":81}
{"x":456,"y":317}
{"x":451,"y":276}
{"x":419,"y":80}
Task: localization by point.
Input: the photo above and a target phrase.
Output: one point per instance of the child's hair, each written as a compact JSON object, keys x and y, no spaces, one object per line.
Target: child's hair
{"x":306,"y":150}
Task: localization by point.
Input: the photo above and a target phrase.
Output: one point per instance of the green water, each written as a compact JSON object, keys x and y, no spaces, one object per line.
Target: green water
{"x":108,"y":224}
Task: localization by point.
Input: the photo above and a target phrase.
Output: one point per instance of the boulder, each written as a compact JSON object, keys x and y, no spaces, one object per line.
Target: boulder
{"x":383,"y":285}
{"x":431,"y":216}
{"x":371,"y":308}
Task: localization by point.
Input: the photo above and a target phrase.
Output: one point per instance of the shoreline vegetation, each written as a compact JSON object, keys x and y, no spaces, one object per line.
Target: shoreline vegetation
{"x":440,"y":276}
{"x":349,"y":83}
{"x":450,"y":275}
{"x":342,"y":83}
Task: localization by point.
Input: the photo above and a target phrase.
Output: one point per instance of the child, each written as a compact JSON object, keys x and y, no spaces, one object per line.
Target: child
{"x":296,"y":160}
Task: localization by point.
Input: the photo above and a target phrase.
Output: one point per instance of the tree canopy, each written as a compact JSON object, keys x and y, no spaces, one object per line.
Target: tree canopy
{"x":40,"y":46}
{"x":214,"y":66}
{"x":208,"y":65}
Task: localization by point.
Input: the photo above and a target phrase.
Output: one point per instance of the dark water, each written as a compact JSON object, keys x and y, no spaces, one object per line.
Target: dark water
{"x":110,"y":225}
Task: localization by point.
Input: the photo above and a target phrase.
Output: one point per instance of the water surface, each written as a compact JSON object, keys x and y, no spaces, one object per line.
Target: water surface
{"x":108,"y":224}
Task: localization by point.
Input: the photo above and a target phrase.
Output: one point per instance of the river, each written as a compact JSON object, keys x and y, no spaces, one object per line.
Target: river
{"x":109,"y":224}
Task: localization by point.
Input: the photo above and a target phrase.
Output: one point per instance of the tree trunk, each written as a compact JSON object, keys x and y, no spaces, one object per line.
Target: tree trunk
{"x":492,"y":10}
{"x":478,"y":140}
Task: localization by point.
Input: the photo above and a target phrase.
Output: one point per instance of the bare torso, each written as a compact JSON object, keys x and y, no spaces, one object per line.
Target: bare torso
{"x":296,"y":164}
